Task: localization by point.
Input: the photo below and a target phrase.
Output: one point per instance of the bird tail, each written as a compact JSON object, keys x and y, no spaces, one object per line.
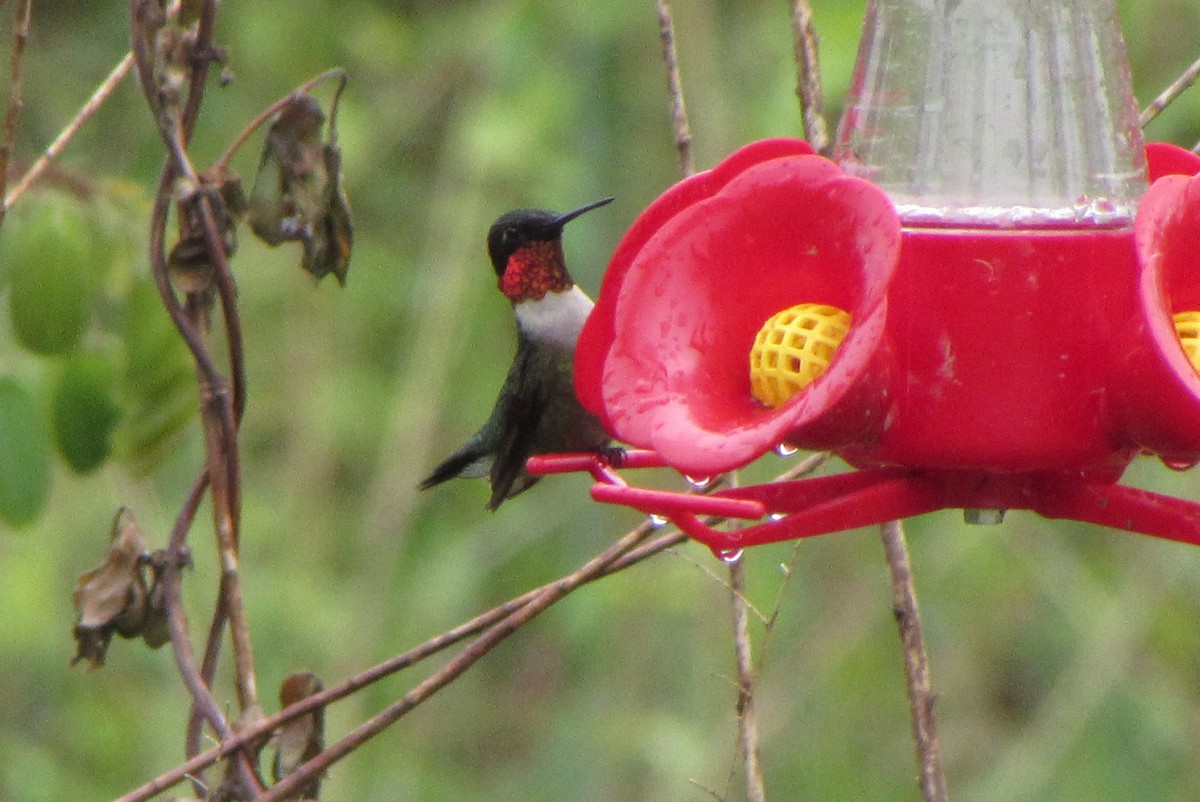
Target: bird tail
{"x":502,"y":492}
{"x":465,"y":462}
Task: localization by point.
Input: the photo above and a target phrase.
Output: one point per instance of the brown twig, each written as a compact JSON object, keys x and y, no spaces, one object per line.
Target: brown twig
{"x":808,"y":76}
{"x":644,"y":549}
{"x":191,"y":326}
{"x":103,"y":92}
{"x":22,"y":17}
{"x":1168,"y":95}
{"x":201,"y":57}
{"x":746,"y":708}
{"x":679,"y":118}
{"x":204,"y":706}
{"x":203,"y":54}
{"x":546,"y":597}
{"x":921,"y":697}
{"x":190,"y":330}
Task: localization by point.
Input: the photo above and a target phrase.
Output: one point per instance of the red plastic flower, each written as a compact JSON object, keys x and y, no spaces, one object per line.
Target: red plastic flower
{"x":1162,"y":386}
{"x":663,"y":359}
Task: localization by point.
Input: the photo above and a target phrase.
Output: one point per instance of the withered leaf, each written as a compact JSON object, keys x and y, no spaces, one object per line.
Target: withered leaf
{"x":190,"y":264}
{"x":111,"y":597}
{"x":155,"y":627}
{"x":303,"y":737}
{"x":329,"y":250}
{"x":298,"y":193}
{"x":119,"y":596}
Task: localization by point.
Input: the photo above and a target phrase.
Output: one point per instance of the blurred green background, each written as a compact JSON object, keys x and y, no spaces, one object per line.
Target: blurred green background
{"x":1066,"y":658}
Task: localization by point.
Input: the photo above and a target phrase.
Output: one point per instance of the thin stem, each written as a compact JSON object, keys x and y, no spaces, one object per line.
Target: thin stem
{"x":216,"y":246}
{"x":642,"y":550}
{"x":185,"y":659}
{"x":679,"y":118}
{"x":1177,"y":88}
{"x":746,"y":708}
{"x":202,"y":56}
{"x":222,"y":164}
{"x":220,"y":422}
{"x":208,"y":671}
{"x":215,"y":425}
{"x":808,"y":76}
{"x":21,"y":22}
{"x":54,"y":149}
{"x":256,"y":730}
{"x":546,"y":597}
{"x":921,"y":697}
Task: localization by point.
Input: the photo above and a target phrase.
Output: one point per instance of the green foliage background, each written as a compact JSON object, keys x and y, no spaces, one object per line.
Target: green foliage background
{"x":1067,"y":658}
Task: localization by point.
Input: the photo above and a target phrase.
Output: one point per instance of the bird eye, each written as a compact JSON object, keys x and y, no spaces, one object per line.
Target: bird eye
{"x":509,"y":236}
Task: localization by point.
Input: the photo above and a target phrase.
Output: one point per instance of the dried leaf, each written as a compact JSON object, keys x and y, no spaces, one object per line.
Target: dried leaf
{"x":302,"y":738}
{"x":173,"y":47}
{"x":189,"y":262}
{"x":291,"y":179}
{"x":111,"y":598}
{"x":155,"y":625}
{"x":328,"y":251}
{"x":298,"y":193}
{"x":120,"y":596}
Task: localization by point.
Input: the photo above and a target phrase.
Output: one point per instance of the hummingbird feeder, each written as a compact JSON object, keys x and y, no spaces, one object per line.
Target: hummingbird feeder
{"x":988,"y":299}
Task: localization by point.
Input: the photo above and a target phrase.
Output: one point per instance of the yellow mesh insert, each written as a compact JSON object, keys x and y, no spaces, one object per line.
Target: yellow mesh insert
{"x":795,"y":346}
{"x":1187,"y":326}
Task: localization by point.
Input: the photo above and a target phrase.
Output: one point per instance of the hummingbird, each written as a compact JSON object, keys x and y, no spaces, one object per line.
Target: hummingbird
{"x":537,"y":411}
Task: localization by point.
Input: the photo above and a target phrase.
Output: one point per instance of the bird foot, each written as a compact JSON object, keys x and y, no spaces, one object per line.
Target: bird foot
{"x":614,"y":456}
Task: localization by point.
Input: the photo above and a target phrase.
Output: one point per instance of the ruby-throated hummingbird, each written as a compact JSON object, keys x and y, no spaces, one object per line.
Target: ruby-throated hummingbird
{"x":537,"y":411}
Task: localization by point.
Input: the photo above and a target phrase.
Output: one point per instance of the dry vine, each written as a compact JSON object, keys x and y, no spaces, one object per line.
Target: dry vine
{"x":489,"y":628}
{"x":164,"y":68}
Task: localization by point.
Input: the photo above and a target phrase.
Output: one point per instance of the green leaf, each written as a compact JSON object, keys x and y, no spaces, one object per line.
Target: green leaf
{"x":53,"y":261}
{"x":85,"y":410}
{"x":24,"y":455}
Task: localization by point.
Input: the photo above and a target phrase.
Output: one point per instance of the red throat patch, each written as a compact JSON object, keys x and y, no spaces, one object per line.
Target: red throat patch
{"x":534,"y":270}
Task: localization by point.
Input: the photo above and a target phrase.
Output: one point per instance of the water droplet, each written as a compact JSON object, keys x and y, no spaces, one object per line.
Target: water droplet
{"x":777,"y":516}
{"x":699,"y":482}
{"x":730,"y":556}
{"x":658,"y":520}
{"x":784,"y":450}
{"x":1176,"y":464}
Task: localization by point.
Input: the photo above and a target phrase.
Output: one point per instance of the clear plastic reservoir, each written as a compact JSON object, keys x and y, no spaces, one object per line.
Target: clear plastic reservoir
{"x":1006,"y":113}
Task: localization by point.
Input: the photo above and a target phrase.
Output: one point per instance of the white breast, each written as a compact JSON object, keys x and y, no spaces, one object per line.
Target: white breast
{"x":555,"y":318}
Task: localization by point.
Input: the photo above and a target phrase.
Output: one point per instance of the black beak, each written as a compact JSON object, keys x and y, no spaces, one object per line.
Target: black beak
{"x":567,"y":217}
